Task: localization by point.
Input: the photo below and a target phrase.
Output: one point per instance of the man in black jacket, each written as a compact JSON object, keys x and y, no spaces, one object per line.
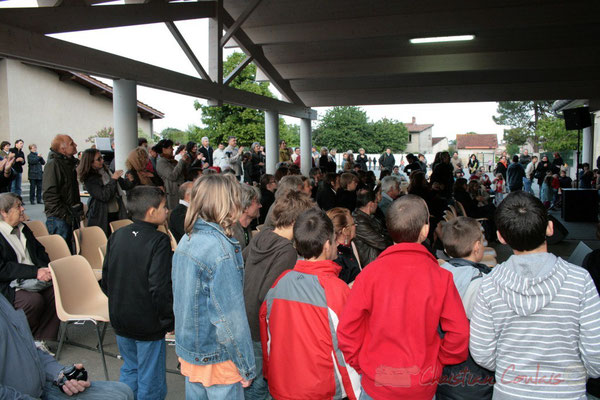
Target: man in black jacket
{"x":22,"y":258}
{"x":18,"y":166}
{"x":177,"y":217}
{"x":207,"y":151}
{"x":60,"y":189}
{"x":136,"y":277}
{"x":387,"y":160}
{"x":370,"y":238}
{"x":326,"y":194}
{"x":515,"y":174}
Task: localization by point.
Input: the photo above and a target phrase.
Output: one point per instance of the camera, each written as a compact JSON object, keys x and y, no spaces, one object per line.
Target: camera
{"x":70,"y":373}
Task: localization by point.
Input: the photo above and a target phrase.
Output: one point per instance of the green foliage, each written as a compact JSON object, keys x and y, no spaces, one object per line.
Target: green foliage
{"x":554,"y":135}
{"x":348,"y":128}
{"x":106,"y":132}
{"x":512,"y":149}
{"x":174,"y":134}
{"x":247,"y":124}
{"x":522,"y":117}
{"x":387,"y":133}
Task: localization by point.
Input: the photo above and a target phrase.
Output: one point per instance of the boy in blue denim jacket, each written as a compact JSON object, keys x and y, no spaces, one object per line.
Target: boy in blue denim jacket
{"x":136,"y":277}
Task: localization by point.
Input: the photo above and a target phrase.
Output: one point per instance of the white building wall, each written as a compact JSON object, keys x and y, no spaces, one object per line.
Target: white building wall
{"x":425,"y":141}
{"x":42,"y":106}
{"x":4,"y":111}
{"x":442,"y":145}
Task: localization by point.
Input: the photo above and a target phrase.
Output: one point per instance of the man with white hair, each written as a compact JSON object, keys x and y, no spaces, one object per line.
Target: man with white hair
{"x":390,"y":190}
{"x":207,"y":151}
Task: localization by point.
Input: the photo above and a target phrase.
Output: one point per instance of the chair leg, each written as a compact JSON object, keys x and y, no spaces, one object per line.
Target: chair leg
{"x":63,"y":334}
{"x":101,"y":350}
{"x":104,"y":325}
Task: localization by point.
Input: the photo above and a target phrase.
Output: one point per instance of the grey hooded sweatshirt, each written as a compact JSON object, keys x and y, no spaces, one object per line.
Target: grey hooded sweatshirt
{"x":536,"y":322}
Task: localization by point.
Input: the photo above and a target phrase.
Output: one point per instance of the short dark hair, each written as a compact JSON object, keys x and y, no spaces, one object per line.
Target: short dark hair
{"x":406,"y":217}
{"x":142,"y":198}
{"x":265,"y":180}
{"x":18,"y":141}
{"x":163,"y":144}
{"x":521,"y":219}
{"x":330,"y":177}
{"x":314,"y":171}
{"x":142,"y":141}
{"x":312,"y":230}
{"x":4,"y":143}
{"x":460,"y":235}
{"x":515,"y":158}
{"x":289,"y":206}
{"x":364,"y":197}
{"x":410,"y":157}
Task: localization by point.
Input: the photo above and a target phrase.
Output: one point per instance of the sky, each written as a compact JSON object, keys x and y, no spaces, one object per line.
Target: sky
{"x":154,"y":44}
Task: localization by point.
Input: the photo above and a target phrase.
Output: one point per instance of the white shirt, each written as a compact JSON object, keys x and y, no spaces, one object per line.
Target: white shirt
{"x":218,"y":156}
{"x":18,"y":245}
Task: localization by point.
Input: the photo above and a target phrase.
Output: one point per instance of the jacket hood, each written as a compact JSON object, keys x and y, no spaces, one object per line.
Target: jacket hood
{"x":529,"y":282}
{"x":58,"y":156}
{"x":323,"y":267}
{"x":462,"y":274}
{"x":265,"y":244}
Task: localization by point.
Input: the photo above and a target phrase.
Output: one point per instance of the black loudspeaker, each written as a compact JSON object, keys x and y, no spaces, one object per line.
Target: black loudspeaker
{"x":579,"y":205}
{"x":577,"y":118}
{"x":560,"y":232}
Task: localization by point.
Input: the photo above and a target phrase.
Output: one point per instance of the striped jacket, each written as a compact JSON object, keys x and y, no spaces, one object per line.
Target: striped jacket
{"x":298,"y":323}
{"x":536,"y":322}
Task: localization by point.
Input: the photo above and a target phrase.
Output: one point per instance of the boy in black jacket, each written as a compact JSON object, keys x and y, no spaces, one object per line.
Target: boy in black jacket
{"x":136,"y":277}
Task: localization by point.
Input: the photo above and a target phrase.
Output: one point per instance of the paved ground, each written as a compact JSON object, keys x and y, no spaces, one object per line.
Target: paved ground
{"x":580,"y":231}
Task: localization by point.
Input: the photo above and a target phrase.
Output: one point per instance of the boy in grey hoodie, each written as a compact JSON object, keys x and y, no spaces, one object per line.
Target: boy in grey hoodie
{"x":536,"y":319}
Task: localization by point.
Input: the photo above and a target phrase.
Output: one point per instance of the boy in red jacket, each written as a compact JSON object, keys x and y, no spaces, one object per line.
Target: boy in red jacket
{"x":299,"y":318}
{"x":404,"y":319}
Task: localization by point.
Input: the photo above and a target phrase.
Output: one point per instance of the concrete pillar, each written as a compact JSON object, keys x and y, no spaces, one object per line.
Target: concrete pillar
{"x":125,"y":119}
{"x":587,"y":146}
{"x":305,"y":146}
{"x":271,"y":140}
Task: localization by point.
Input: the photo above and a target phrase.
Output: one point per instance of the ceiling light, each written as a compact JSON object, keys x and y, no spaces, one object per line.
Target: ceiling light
{"x":440,"y":39}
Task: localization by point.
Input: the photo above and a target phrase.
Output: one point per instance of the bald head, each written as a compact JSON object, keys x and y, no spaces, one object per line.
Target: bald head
{"x":185,"y":191}
{"x":64,"y":145}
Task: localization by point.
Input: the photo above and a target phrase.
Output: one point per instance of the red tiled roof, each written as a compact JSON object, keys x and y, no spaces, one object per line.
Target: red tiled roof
{"x":436,"y":140}
{"x":416,"y":128}
{"x":475,"y":141}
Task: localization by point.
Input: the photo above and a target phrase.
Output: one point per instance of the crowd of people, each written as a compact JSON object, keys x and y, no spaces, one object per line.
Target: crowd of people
{"x":327,"y":286}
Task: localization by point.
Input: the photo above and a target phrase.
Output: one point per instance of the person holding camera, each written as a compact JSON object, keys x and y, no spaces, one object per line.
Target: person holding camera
{"x":233,"y":157}
{"x":60,"y":190}
{"x":28,"y":372}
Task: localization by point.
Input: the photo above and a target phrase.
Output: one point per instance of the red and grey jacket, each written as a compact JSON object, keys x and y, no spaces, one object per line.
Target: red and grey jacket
{"x":298,"y":324}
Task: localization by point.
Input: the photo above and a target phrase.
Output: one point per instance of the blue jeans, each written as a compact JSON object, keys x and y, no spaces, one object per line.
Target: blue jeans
{"x":259,"y":389}
{"x":15,"y":185}
{"x":197,"y":391}
{"x":99,"y":390}
{"x":145,"y":367}
{"x":60,"y":227}
{"x":527,"y":185}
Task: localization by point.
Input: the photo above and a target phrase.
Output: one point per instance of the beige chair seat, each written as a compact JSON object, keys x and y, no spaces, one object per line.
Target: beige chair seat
{"x":119,"y":224}
{"x":55,"y":246}
{"x":37,"y":227}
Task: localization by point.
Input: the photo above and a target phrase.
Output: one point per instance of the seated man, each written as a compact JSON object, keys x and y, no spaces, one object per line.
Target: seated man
{"x":24,"y":274}
{"x":390,"y":190}
{"x":27,"y":372}
{"x":177,"y":217}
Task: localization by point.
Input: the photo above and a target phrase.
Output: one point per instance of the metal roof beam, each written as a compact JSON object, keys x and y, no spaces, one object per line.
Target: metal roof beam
{"x":54,"y":53}
{"x":239,"y":21}
{"x":237,"y":70}
{"x":261,"y":61}
{"x":69,"y":19}
{"x":187,"y":50}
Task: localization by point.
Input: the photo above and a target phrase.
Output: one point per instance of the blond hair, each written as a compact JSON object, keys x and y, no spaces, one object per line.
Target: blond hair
{"x":215,"y":198}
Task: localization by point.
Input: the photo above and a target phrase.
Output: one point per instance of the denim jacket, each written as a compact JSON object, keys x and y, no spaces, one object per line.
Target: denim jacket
{"x":210,"y":316}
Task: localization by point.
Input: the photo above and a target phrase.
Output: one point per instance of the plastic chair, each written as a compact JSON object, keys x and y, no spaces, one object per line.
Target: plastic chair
{"x":37,"y":227}
{"x":87,"y":242}
{"x":78,"y":298}
{"x":55,"y":246}
{"x":102,"y":251}
{"x":119,"y":224}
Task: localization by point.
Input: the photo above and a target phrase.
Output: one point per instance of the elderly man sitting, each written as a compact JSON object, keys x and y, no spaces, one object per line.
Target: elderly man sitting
{"x":390,"y":191}
{"x":25,"y":278}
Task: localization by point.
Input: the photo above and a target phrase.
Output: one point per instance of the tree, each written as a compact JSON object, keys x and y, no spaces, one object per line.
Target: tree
{"x":344,"y":128}
{"x":247,"y":124}
{"x":388,"y":133}
{"x":554,"y":135}
{"x":348,"y":128}
{"x":174,"y":134}
{"x":522,"y":117}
